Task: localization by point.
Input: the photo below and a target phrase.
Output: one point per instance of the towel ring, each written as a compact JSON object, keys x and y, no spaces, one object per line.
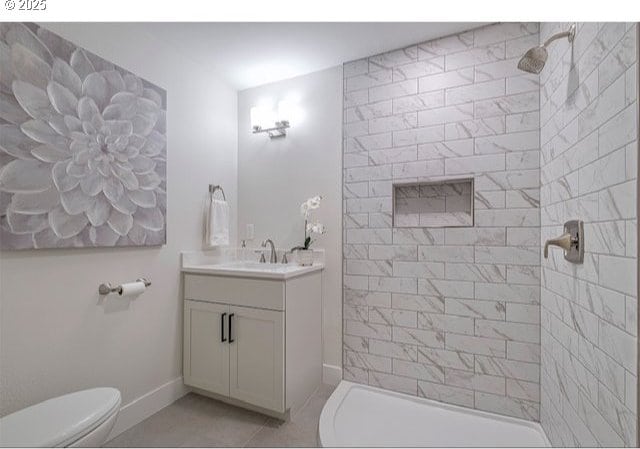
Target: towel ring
{"x":213,"y":189}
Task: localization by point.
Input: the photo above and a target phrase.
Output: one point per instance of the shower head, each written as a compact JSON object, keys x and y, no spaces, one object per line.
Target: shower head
{"x":535,"y":58}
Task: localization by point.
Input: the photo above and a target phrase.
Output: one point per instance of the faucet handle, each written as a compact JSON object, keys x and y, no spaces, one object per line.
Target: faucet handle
{"x":284,"y":258}
{"x":261,"y":252}
{"x":571,"y":241}
{"x":564,"y":242}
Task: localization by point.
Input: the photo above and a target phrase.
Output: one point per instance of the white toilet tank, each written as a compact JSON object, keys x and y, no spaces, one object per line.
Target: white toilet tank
{"x":83,"y":418}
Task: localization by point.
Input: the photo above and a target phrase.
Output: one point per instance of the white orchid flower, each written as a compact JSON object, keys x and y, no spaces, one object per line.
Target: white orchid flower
{"x":314,"y":202}
{"x":310,"y":228}
{"x":310,"y":204}
{"x":316,"y":228}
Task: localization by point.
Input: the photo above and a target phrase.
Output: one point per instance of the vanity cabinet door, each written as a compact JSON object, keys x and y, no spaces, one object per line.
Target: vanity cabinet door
{"x":257,"y":357}
{"x":206,"y":346}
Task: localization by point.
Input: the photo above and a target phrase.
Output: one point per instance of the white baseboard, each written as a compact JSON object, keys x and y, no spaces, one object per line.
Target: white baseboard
{"x":331,"y":374}
{"x":146,"y":405}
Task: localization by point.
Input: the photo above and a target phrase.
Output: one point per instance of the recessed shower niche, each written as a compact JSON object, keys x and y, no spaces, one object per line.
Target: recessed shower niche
{"x":433,"y":204}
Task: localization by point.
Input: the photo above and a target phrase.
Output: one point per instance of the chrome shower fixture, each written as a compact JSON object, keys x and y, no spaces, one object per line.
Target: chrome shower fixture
{"x":535,"y":58}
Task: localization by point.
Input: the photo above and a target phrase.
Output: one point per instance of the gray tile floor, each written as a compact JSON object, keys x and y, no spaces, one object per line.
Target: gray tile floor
{"x":198,"y":421}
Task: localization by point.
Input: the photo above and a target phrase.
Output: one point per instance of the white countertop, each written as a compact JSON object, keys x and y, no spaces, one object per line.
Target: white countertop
{"x":276,"y":271}
{"x":242,"y":262}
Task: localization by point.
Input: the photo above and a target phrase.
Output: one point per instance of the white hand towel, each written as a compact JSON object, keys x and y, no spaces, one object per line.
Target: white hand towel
{"x":217,"y":225}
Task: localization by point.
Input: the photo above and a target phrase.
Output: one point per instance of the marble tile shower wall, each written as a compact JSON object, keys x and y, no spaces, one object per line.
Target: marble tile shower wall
{"x":588,"y":135}
{"x":450,"y":314}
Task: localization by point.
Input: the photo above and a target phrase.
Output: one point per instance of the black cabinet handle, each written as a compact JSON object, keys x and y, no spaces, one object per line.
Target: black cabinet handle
{"x":222,"y":339}
{"x":231,"y":340}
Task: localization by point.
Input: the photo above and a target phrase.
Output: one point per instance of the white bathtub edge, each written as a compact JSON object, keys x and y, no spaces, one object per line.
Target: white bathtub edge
{"x":326,"y":437}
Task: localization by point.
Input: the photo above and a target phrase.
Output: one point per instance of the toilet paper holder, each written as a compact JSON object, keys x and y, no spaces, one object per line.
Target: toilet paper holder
{"x":106,"y":288}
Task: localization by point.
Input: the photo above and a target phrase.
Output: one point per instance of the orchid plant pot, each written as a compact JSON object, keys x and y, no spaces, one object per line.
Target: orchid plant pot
{"x":304,"y":257}
{"x":303,"y":253}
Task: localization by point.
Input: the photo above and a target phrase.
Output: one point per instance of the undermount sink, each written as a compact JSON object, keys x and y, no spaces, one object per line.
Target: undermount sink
{"x":252,"y":269}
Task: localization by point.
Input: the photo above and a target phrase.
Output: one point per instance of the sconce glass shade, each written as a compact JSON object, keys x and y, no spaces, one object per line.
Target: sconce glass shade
{"x":262,"y":117}
{"x":285,"y":111}
{"x":265,"y":120}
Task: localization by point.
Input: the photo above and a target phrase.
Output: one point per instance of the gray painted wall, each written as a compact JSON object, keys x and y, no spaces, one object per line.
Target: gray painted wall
{"x":57,"y":337}
{"x":276,"y":175}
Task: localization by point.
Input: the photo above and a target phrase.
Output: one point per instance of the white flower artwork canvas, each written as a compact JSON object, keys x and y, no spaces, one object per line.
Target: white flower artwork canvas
{"x":82,"y":147}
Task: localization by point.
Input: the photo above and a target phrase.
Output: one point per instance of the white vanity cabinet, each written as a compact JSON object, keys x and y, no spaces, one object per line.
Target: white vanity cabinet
{"x":256,"y":357}
{"x":206,"y":356}
{"x":253,"y":342}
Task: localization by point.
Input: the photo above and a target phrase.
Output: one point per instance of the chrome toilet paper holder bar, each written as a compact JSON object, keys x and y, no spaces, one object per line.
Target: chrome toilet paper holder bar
{"x":106,"y":288}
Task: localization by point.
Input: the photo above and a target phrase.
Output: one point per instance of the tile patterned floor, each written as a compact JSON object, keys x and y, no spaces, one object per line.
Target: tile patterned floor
{"x":198,"y":421}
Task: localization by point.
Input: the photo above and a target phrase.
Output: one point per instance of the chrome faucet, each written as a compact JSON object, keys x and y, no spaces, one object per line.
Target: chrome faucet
{"x":273,"y":258}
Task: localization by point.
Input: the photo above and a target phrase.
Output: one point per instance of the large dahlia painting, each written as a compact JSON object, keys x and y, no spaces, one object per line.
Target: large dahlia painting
{"x":82,"y":147}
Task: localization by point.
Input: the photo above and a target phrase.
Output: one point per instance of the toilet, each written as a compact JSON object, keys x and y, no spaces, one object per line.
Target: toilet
{"x":80,"y":419}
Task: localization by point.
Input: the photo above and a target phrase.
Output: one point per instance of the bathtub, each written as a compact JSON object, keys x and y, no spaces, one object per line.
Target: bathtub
{"x":362,"y":416}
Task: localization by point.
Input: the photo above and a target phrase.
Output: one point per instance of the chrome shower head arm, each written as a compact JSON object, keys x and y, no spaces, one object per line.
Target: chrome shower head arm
{"x":571,"y":34}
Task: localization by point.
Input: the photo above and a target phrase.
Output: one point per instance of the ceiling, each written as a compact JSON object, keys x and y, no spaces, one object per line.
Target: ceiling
{"x":250,"y":54}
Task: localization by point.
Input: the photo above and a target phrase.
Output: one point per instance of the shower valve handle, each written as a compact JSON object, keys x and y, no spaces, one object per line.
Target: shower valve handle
{"x":564,"y":242}
{"x":571,"y":241}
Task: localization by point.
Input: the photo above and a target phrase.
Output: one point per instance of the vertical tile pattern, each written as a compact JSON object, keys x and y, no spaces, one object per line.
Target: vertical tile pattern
{"x":450,"y":314}
{"x":588,"y":133}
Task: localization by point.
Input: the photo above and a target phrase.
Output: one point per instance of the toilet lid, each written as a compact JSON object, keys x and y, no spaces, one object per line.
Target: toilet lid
{"x":59,"y":421}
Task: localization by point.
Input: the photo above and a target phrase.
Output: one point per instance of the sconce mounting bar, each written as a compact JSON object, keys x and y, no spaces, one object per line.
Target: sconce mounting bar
{"x":280,"y":130}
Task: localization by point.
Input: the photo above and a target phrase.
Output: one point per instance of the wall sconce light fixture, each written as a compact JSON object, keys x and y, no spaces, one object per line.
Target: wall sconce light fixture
{"x":265,"y":120}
